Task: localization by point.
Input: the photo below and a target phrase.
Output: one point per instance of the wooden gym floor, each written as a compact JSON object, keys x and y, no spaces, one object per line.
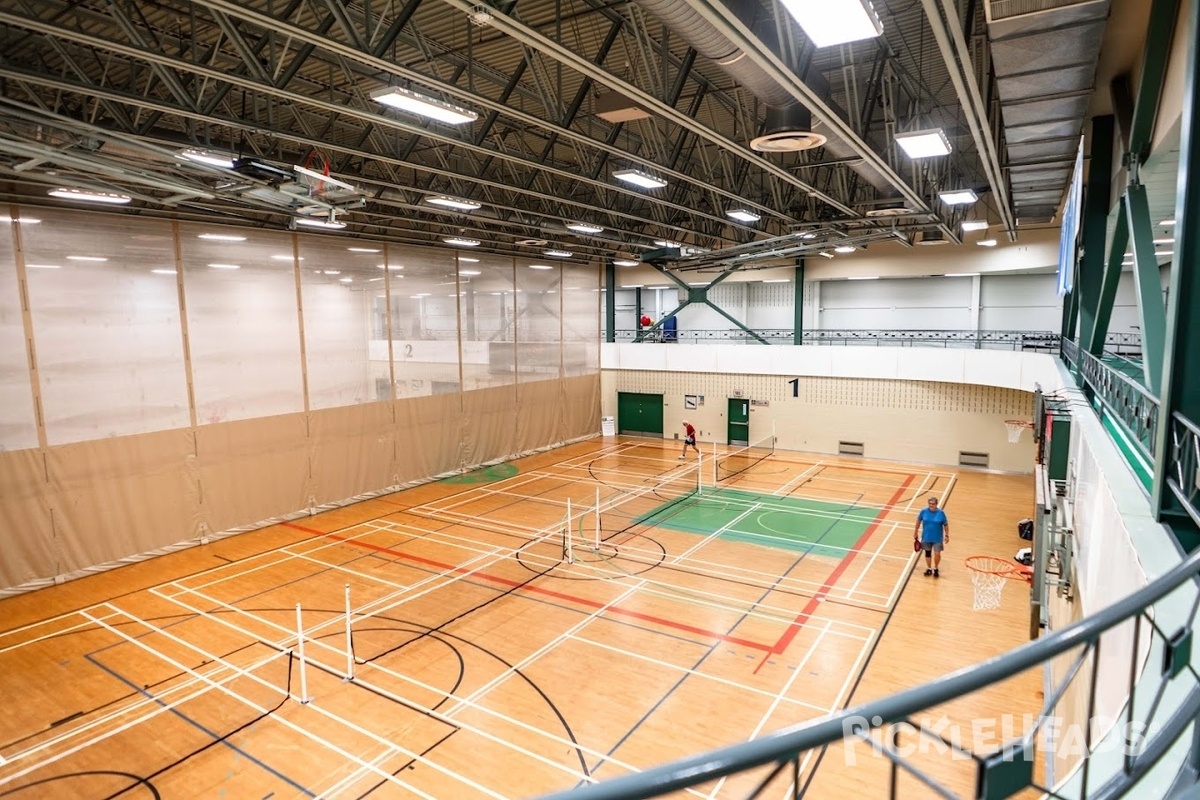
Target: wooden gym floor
{"x":486,"y":663}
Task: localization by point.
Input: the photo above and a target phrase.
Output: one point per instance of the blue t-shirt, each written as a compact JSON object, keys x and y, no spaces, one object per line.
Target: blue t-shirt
{"x":933,"y":524}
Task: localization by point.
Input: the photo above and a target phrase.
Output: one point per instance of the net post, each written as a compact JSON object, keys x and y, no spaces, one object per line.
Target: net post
{"x":349,"y":641}
{"x":300,"y":651}
{"x":597,"y":544}
{"x":567,"y":535}
{"x":699,"y":471}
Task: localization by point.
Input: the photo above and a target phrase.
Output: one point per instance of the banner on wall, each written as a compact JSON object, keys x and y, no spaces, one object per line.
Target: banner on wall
{"x":1068,"y":242}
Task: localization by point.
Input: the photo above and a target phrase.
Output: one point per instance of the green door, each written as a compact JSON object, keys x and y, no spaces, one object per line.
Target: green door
{"x":739,"y":421}
{"x":639,"y":414}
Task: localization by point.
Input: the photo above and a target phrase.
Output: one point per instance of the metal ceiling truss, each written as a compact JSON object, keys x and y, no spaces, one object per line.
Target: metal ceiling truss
{"x":283,"y":81}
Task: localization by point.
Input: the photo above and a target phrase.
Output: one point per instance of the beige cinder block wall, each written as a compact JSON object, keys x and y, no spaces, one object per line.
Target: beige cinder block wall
{"x":905,"y":420}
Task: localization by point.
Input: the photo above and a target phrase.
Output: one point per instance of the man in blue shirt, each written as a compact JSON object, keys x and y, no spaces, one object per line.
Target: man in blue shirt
{"x":934,"y":531}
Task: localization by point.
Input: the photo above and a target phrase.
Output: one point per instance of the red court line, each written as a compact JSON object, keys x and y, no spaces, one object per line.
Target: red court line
{"x":583,"y":601}
{"x":817,"y":598}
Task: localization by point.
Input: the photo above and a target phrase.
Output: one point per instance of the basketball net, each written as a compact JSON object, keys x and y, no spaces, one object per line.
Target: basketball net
{"x":1015,"y":426}
{"x":988,"y":575}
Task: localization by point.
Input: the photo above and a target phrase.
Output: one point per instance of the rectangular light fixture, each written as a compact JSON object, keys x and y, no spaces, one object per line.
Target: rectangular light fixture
{"x":209,"y":157}
{"x":958,"y":197}
{"x":584,"y":227}
{"x":28,"y":221}
{"x":1165,"y":241}
{"x":540,"y":266}
{"x":558,"y":253}
{"x":625,"y":262}
{"x":66,"y":193}
{"x":459,"y":241}
{"x":225,"y":266}
{"x":960,"y":274}
{"x":863,"y":278}
{"x":825,"y":254}
{"x":845,"y":248}
{"x":924,"y":144}
{"x":453,"y":202}
{"x":639,"y":178}
{"x":43,"y":266}
{"x":363,"y":250}
{"x":323,"y":178}
{"x":221,"y":237}
{"x":835,"y":21}
{"x":742,"y":215}
{"x":778,"y":280}
{"x":163,"y":271}
{"x":469,"y":272}
{"x":986,"y":243}
{"x":975,"y":225}
{"x":468,"y":260}
{"x":665,"y":243}
{"x":408,"y":100}
{"x":86,"y":258}
{"x":310,"y":222}
{"x":1167,"y":223}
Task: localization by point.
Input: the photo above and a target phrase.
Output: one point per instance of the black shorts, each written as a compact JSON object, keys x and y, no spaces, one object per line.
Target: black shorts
{"x":690,"y":440}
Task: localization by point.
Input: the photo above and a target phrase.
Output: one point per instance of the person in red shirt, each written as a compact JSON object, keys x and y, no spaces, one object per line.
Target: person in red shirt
{"x":689,"y":437}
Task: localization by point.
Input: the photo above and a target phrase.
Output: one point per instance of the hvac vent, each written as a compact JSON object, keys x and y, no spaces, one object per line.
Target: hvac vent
{"x":969,"y":459}
{"x":897,"y":211}
{"x":787,"y":129}
{"x":850,"y":448}
{"x":930,"y":238}
{"x":1007,"y":9}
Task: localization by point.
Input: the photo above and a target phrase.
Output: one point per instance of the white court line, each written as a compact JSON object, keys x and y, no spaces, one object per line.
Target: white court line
{"x":311,"y":705}
{"x":45,"y":637}
{"x":696,"y":673}
{"x":783,"y":490}
{"x":886,"y":539}
{"x":762,"y":722}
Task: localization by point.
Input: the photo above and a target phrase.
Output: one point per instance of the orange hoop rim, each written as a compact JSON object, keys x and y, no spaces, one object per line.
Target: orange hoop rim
{"x":1007,"y":569}
{"x":1024,"y":423}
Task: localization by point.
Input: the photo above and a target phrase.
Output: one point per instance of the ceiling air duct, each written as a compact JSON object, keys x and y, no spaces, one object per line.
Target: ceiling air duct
{"x":930,"y":238}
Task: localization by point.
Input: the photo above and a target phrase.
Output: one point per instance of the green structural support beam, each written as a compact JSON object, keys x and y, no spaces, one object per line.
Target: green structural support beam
{"x":610,"y":303}
{"x":1096,"y":202}
{"x":798,"y":304}
{"x":1149,"y":286}
{"x":722,"y":312}
{"x":1176,"y":479}
{"x":1112,"y":276}
{"x":1150,"y":82}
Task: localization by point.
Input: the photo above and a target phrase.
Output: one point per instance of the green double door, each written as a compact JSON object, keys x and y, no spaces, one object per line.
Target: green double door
{"x":640,"y":414}
{"x":739,"y":421}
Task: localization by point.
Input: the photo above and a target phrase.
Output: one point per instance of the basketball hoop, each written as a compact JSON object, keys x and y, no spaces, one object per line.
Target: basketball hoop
{"x":988,"y":575}
{"x":1014,"y":427}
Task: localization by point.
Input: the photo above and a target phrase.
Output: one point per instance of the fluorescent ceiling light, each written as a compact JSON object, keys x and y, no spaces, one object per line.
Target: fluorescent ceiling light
{"x":225,"y":266}
{"x":284,"y":258}
{"x":222,"y":237}
{"x":471,"y":272}
{"x":864,"y":278}
{"x":558,"y":253}
{"x":363,"y":250}
{"x":90,"y":197}
{"x":806,"y":235}
{"x":584,"y":227}
{"x":468,"y":259}
{"x":163,"y":271}
{"x":540,"y":266}
{"x":960,"y":274}
{"x":28,"y":220}
{"x":836,"y":21}
{"x":1167,"y":222}
{"x":210,"y":157}
{"x":924,"y":144}
{"x":453,"y":202}
{"x":665,"y":243}
{"x":1165,"y":241}
{"x":844,"y":248}
{"x":42,"y":266}
{"x":346,"y":280}
{"x":625,"y":262}
{"x":390,"y":267}
{"x":332,"y":272}
{"x":407,"y":100}
{"x":825,"y":254}
{"x":323,"y":178}
{"x":639,"y":178}
{"x":742,"y":215}
{"x":86,"y":258}
{"x":319,"y":223}
{"x":778,"y":280}
{"x":459,"y":241}
{"x":975,"y":225}
{"x":1164,"y":252}
{"x":986,"y":243}
{"x":959,"y":197}
{"x":632,"y":285}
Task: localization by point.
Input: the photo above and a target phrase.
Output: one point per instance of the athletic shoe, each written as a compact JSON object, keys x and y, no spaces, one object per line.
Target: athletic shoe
{"x":936,"y":574}
{"x":928,"y":572}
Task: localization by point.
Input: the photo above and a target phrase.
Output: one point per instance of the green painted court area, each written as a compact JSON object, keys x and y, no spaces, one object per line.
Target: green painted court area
{"x":786,"y":523}
{"x":496,"y":472}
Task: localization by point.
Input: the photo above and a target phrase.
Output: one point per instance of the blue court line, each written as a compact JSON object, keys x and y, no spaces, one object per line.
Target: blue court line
{"x":216,"y":737}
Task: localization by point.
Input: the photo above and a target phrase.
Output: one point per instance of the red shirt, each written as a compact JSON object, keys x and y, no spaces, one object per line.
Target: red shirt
{"x":690,"y":431}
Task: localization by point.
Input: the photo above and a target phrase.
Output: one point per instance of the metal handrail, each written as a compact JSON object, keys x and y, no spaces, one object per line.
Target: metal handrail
{"x":782,"y":747}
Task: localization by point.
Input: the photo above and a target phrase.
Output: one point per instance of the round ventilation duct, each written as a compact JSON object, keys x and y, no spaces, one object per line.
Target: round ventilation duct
{"x":788,"y":129}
